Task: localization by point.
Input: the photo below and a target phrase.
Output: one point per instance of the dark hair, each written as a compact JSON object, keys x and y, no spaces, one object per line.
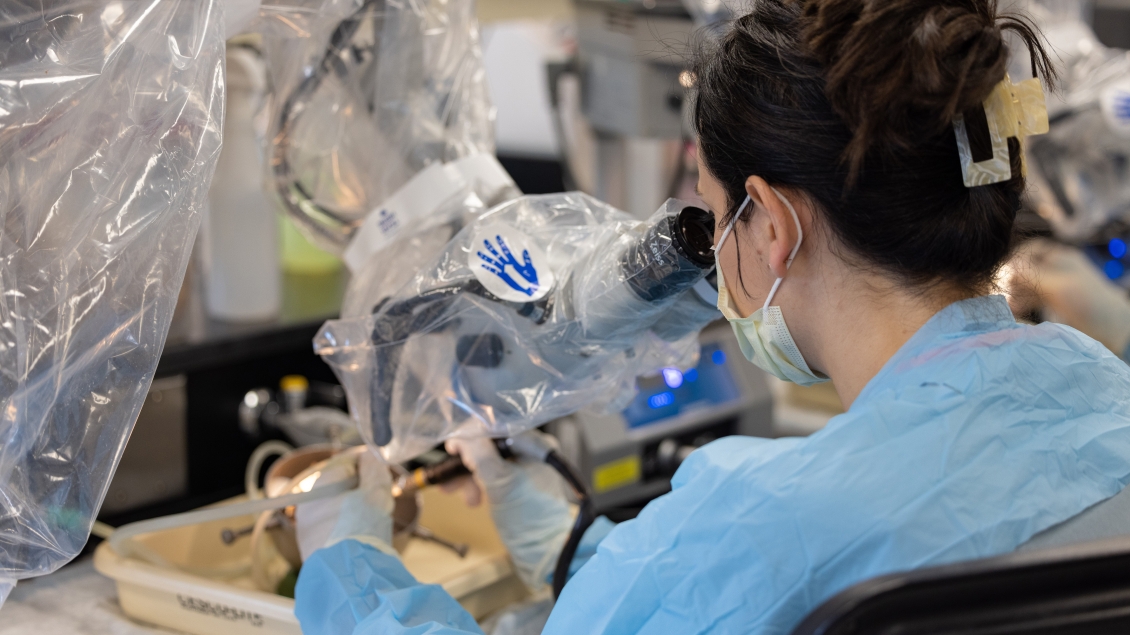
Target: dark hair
{"x":852,"y":103}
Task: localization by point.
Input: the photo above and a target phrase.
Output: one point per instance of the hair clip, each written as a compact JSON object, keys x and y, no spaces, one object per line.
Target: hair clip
{"x":1012,"y":110}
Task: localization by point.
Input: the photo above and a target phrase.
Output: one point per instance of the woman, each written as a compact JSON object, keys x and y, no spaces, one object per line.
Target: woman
{"x":849,"y":248}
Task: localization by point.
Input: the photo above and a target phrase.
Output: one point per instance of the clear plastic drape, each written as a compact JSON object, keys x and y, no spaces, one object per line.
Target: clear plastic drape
{"x":110,"y":122}
{"x":368,"y":93}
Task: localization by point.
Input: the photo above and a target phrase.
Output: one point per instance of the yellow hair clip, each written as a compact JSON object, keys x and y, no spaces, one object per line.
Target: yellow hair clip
{"x":1012,"y":110}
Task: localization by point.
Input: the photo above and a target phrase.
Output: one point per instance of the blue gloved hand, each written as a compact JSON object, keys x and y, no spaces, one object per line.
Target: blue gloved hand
{"x":527,"y":503}
{"x":364,"y":514}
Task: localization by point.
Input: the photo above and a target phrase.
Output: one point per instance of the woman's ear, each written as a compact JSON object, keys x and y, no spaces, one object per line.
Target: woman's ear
{"x":781,"y":231}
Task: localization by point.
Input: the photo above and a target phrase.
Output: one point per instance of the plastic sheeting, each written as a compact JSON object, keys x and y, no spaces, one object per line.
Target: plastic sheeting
{"x":1080,"y":170}
{"x":536,"y":309}
{"x":110,"y":123}
{"x":414,"y":224}
{"x":368,"y":93}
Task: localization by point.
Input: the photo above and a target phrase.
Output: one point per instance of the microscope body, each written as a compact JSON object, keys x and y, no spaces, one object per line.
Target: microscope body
{"x":457,"y":353}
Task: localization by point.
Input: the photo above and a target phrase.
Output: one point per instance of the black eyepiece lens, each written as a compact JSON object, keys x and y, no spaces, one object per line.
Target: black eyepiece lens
{"x":694,"y":230}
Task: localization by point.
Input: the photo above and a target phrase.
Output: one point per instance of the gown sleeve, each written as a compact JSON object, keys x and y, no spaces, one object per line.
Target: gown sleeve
{"x":351,"y":588}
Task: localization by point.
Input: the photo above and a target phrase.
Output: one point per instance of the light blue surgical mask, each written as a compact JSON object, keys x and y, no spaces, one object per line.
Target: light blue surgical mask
{"x":763,"y":336}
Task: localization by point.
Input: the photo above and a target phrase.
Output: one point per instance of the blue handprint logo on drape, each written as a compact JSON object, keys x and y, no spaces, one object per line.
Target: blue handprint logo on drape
{"x":497,"y":263}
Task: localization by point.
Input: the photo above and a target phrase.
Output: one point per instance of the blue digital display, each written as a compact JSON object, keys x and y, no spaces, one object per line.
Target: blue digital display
{"x":673,"y":392}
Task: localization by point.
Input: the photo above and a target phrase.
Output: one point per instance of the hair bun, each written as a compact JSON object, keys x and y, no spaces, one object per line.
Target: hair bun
{"x":896,"y":70}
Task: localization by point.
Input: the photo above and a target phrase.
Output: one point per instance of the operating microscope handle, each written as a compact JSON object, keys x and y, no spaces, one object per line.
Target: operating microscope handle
{"x":444,"y":471}
{"x":441,"y":472}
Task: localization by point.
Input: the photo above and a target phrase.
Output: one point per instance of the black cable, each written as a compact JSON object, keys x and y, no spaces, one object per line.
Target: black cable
{"x":558,"y":462}
{"x":585,"y":518}
{"x":454,"y":467}
{"x":396,"y":321}
{"x":331,"y":224}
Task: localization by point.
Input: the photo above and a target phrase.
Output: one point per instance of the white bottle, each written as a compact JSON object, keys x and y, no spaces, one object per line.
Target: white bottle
{"x":240,"y":232}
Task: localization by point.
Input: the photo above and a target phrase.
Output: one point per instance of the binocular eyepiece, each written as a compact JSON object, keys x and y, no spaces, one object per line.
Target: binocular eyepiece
{"x":672,"y":254}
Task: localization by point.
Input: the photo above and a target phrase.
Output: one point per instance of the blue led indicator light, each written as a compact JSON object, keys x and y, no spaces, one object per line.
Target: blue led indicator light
{"x":718,"y":358}
{"x":1114,"y":269}
{"x":691,"y":375}
{"x":1117,"y":248}
{"x":661,"y":400}
{"x":672,"y":377}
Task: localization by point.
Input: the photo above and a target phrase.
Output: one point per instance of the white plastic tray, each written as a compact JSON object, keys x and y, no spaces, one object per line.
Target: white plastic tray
{"x":483,"y":582}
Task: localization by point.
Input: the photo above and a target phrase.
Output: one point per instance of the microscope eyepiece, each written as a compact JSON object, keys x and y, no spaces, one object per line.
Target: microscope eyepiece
{"x":693,"y":228}
{"x":672,"y":254}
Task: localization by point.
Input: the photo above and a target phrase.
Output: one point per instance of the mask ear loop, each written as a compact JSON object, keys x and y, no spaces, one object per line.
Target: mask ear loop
{"x":796,"y":247}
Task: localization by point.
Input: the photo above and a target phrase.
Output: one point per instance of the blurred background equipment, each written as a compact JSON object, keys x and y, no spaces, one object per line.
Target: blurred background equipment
{"x":603,"y":92}
{"x":1047,"y":280}
{"x":627,"y":458}
{"x":1078,"y":202}
{"x":238,"y":246}
{"x":1079,"y":169}
{"x":630,"y":62}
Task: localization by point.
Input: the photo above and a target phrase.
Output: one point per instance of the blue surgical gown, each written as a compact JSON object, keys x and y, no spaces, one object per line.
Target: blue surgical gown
{"x":977,"y":434}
